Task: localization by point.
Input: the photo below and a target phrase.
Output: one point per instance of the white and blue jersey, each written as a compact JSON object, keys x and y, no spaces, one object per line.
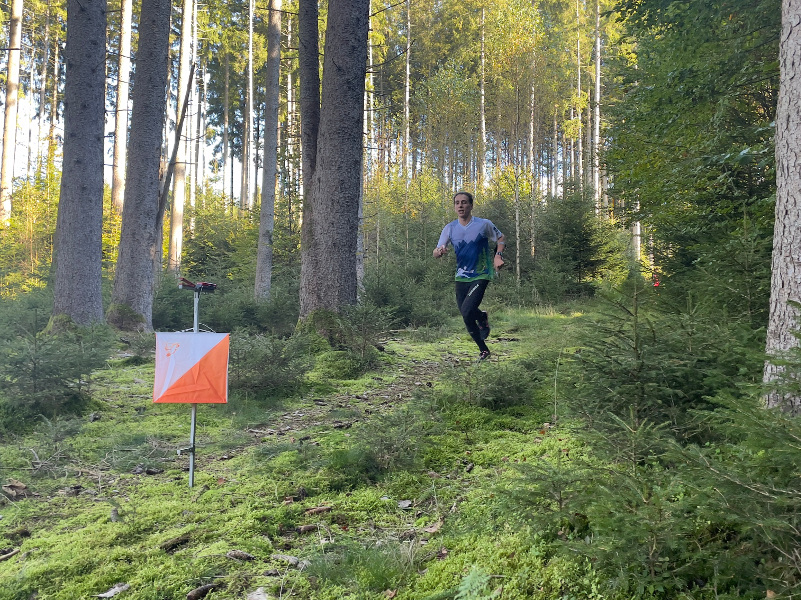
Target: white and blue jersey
{"x":471,"y":244}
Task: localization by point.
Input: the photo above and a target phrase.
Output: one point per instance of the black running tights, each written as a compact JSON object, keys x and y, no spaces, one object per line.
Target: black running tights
{"x":468,"y":297}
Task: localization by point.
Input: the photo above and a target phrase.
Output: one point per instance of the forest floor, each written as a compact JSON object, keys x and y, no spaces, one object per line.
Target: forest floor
{"x":397,"y":484}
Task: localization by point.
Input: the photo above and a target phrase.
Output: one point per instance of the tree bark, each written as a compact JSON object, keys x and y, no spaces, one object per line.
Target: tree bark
{"x":309,"y":80}
{"x":226,"y":108}
{"x":121,"y":114}
{"x":10,"y":122}
{"x":179,"y":185}
{"x":482,"y":143}
{"x":140,"y":236}
{"x":264,"y":252}
{"x":248,"y":148}
{"x":79,"y":227}
{"x":41,"y":150}
{"x":328,"y":265}
{"x":596,"y":121}
{"x":785,"y":285}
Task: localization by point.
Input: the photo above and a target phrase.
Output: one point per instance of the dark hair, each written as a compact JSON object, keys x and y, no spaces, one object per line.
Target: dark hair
{"x":468,"y":194}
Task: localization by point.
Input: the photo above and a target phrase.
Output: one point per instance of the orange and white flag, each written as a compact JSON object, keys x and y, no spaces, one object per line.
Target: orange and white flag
{"x":191,"y":368}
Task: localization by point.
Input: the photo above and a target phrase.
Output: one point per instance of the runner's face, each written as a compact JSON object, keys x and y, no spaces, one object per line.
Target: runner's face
{"x":462,"y":206}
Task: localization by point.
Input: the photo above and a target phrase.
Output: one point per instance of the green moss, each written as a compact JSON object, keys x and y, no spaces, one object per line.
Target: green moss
{"x":124,"y":317}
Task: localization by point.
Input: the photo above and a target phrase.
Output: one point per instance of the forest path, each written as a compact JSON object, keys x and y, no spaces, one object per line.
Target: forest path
{"x":343,"y":410}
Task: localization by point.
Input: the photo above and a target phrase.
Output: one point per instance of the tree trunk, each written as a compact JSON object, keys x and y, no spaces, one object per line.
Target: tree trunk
{"x":51,"y":135}
{"x":785,"y":288}
{"x":41,"y":150}
{"x":140,"y":236}
{"x":580,"y":149}
{"x":328,"y":266}
{"x":482,"y":143}
{"x":244,"y":182}
{"x":264,"y":253}
{"x":248,"y":158}
{"x":226,"y":108}
{"x":79,"y":227}
{"x":407,"y":86}
{"x":309,"y":75}
{"x":596,"y":121}
{"x":121,"y":114}
{"x":555,"y":157}
{"x":10,"y":122}
{"x":179,"y":183}
{"x":194,"y":147}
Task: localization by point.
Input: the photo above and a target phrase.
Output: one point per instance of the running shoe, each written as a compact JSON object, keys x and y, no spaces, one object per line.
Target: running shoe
{"x":485,"y":354}
{"x":483,"y":326}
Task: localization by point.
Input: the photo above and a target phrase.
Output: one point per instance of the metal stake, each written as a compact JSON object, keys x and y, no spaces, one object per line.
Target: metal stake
{"x":197,"y":288}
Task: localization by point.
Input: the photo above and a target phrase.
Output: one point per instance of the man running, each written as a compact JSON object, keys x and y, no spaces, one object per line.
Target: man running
{"x":470,"y":237}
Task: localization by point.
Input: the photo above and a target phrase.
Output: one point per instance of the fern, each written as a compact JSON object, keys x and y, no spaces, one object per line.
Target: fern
{"x":474,"y":586}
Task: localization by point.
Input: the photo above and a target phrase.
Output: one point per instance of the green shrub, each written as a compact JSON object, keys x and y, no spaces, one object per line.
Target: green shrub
{"x":659,"y":365}
{"x":339,"y":364}
{"x":369,"y":567}
{"x":267,"y":365}
{"x":48,"y":374}
{"x":493,"y":386}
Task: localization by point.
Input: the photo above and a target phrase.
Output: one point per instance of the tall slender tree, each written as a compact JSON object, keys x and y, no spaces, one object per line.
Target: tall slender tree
{"x":309,"y":74}
{"x":179,"y":187}
{"x":596,"y":111}
{"x":79,"y":227}
{"x":264,"y":255}
{"x":140,"y":237}
{"x":121,"y":112}
{"x":10,"y":121}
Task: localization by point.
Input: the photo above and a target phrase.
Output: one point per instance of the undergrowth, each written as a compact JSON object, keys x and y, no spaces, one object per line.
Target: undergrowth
{"x":599,"y":454}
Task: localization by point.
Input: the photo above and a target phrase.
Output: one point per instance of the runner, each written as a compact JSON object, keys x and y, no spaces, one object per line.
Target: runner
{"x":470,"y":237}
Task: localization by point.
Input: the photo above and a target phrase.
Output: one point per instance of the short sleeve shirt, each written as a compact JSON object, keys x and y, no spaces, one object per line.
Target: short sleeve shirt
{"x":471,"y":243}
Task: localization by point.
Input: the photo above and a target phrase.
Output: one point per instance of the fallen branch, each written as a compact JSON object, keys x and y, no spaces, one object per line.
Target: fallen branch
{"x":9,"y":555}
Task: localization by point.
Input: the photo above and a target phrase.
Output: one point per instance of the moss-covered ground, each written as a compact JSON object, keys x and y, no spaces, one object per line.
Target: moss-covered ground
{"x":392,"y":485}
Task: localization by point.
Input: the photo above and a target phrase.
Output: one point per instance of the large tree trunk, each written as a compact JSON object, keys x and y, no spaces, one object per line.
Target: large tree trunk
{"x":179,"y":186}
{"x":264,"y":253}
{"x":10,"y":122}
{"x":785,"y":287}
{"x":139,"y":251}
{"x":121,"y":115}
{"x":79,"y":226}
{"x":328,"y":265}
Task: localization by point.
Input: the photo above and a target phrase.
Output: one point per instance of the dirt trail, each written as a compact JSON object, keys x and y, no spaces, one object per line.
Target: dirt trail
{"x":341,"y":411}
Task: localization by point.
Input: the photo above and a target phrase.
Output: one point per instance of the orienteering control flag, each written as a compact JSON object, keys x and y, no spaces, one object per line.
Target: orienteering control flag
{"x":191,"y":368}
